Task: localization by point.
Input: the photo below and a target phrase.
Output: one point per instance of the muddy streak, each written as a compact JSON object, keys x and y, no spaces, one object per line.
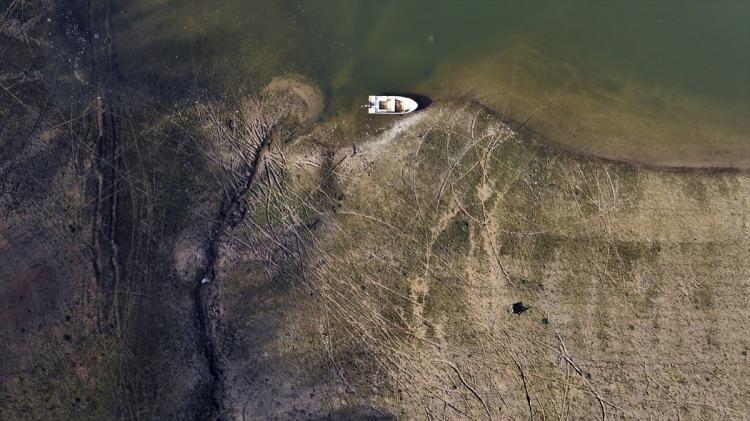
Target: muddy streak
{"x":207,"y":292}
{"x":107,"y":159}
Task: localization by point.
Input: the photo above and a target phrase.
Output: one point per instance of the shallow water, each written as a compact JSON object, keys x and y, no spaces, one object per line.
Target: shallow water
{"x":665,"y":83}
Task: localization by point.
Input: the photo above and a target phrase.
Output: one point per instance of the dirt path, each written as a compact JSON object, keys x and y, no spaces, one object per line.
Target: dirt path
{"x":399,"y":127}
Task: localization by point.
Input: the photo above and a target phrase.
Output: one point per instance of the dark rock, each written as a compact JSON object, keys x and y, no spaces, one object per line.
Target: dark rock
{"x":518,"y":308}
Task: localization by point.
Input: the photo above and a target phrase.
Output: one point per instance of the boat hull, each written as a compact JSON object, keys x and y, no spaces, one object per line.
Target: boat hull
{"x":390,"y":104}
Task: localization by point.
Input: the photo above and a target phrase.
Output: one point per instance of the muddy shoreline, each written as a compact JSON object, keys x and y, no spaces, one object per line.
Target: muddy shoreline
{"x":547,"y":142}
{"x":677,"y":167}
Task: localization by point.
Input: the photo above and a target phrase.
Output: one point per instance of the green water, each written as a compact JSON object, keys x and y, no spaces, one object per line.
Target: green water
{"x":664,"y":82}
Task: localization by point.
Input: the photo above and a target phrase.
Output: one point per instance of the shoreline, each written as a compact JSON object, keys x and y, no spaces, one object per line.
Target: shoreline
{"x":544,"y":141}
{"x":638,"y":123}
{"x":541,"y":140}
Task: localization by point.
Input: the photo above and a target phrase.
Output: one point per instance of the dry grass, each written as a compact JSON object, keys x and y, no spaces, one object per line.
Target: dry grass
{"x":408,"y":260}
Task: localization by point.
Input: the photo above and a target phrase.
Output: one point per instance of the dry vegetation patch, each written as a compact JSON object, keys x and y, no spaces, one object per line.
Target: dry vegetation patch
{"x":409,"y":256}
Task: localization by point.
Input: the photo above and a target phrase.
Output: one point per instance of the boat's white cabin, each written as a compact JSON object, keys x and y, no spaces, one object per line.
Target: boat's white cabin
{"x":379,"y":104}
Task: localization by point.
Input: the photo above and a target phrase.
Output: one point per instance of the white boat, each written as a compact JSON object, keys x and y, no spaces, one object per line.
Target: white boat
{"x":390,"y":104}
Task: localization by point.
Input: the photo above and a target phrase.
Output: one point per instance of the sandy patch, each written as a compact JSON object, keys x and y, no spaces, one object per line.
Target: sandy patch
{"x":309,"y":95}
